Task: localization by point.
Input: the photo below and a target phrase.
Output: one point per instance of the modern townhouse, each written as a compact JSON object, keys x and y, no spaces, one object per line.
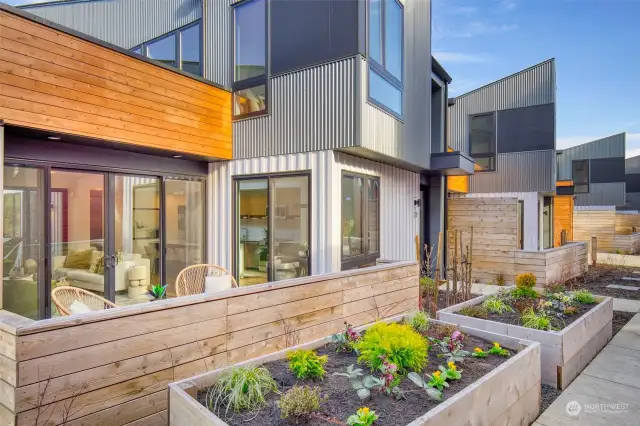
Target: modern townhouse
{"x":333,"y":158}
{"x":632,"y":183}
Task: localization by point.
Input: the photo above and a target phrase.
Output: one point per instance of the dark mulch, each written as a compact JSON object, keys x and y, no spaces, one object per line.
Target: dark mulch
{"x":558,"y":323}
{"x":620,"y":319}
{"x":343,"y":401}
{"x":600,"y":276}
{"x":442,"y":301}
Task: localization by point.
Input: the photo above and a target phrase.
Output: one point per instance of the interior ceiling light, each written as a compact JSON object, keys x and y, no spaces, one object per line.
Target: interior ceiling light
{"x":54,"y":138}
{"x":177,"y":156}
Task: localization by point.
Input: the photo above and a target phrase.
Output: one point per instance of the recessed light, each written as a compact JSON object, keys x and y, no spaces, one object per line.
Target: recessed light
{"x":177,"y":156}
{"x":54,"y":138}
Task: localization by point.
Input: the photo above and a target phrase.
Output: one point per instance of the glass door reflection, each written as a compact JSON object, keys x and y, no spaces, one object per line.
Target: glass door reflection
{"x":253,"y":232}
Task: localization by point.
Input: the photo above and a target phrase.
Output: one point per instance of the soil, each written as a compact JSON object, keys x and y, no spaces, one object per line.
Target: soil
{"x":600,"y":276}
{"x":556,"y":322}
{"x":620,"y":319}
{"x":442,"y":301}
{"x":342,"y":399}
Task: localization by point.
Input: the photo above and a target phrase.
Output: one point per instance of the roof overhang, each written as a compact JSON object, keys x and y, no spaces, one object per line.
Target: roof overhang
{"x":453,"y":163}
{"x":565,"y":187}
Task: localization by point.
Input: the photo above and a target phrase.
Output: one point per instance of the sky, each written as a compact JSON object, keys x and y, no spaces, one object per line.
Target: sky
{"x":596,"y":44}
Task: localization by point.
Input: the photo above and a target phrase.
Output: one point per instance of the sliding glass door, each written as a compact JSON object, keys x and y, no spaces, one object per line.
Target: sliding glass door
{"x":272,"y":228}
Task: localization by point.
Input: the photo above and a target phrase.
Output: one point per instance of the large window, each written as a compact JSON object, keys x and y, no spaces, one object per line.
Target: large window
{"x":250,"y":63}
{"x":360,"y":232}
{"x":482,"y":141}
{"x":180,"y":49}
{"x":581,"y":176}
{"x":386,"y":33}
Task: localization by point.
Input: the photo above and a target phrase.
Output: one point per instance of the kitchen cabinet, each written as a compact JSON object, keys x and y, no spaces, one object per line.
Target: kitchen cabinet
{"x":253,"y":203}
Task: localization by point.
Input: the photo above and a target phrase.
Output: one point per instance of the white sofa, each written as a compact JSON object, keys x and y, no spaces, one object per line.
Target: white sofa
{"x":95,"y":282}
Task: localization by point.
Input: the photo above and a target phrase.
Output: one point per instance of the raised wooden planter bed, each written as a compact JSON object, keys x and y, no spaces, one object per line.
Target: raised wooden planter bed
{"x":565,"y":353}
{"x":508,"y":395}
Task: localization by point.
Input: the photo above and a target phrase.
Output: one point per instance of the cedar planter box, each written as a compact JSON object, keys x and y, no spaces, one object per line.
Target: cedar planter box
{"x":509,"y":394}
{"x":565,"y":353}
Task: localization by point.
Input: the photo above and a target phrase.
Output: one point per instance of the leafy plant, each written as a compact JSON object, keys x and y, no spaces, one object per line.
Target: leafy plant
{"x":345,"y":339}
{"x":444,"y":330}
{"x":522,"y":292}
{"x":242,"y":388}
{"x":158,"y":291}
{"x":479,"y":353}
{"x":527,"y":280}
{"x":362,"y":385}
{"x":390,"y":380}
{"x":306,"y":364}
{"x":498,"y":350}
{"x":496,"y":305}
{"x":538,"y":321}
{"x":476,"y":311}
{"x":570,"y":310}
{"x":522,"y":304}
{"x":428,"y":286}
{"x":363,"y":417}
{"x":299,"y":402}
{"x":452,"y":347}
{"x":451,"y":371}
{"x":558,"y":301}
{"x":432,"y":392}
{"x":500,"y":279}
{"x":584,"y":297}
{"x":395,"y":343}
{"x":419,"y":322}
{"x":554,"y":287}
{"x":437,"y":380}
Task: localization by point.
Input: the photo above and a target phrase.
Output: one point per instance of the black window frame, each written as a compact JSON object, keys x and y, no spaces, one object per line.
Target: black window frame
{"x":379,"y":68}
{"x":577,"y":186}
{"x":494,"y":142}
{"x":254,"y":81}
{"x":366,"y":258}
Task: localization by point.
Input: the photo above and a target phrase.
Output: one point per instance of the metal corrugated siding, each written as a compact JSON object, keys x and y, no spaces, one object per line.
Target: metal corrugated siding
{"x":125,"y":23}
{"x":633,"y":200}
{"x":309,"y":110}
{"x":518,"y":172}
{"x":218,"y":42}
{"x":609,"y":147}
{"x":398,"y":189}
{"x":603,"y":194}
{"x":632,"y":165}
{"x":533,"y":86}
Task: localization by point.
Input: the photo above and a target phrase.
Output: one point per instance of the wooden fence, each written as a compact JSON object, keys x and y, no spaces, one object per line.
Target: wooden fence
{"x":613,"y":230}
{"x":112,"y":367}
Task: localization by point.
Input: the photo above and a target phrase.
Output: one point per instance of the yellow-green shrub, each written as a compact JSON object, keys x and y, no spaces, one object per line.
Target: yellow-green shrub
{"x":397,"y":343}
{"x":527,"y":280}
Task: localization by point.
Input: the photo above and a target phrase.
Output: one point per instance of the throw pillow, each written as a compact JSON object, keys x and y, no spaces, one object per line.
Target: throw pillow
{"x":78,"y":259}
{"x":216,"y":284}
{"x":77,"y":307}
{"x":100,"y":266}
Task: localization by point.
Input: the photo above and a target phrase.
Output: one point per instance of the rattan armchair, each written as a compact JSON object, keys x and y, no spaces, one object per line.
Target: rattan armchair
{"x":64,"y":296}
{"x":191,"y":279}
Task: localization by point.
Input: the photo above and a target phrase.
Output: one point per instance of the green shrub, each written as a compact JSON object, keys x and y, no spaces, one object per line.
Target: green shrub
{"x":584,"y":297}
{"x":242,"y":388}
{"x":428,"y":286}
{"x":396,"y":343}
{"x":527,"y":280}
{"x":419,"y":322}
{"x":522,"y":292}
{"x":538,"y":321}
{"x":495,"y":305}
{"x":477,"y":311}
{"x":299,"y":401}
{"x":306,"y":364}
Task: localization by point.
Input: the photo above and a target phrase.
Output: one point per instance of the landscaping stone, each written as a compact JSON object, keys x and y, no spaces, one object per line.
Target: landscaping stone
{"x":630,"y":279}
{"x":623,"y":287}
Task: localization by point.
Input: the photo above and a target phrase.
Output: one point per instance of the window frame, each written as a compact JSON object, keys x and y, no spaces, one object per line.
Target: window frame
{"x":357,"y":261}
{"x":494,"y":141}
{"x":379,"y":68}
{"x":254,"y":81}
{"x":144,"y":51}
{"x":576,"y":184}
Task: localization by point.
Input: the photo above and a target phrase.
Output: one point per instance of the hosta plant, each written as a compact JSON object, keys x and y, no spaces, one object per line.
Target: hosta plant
{"x":452,"y":347}
{"x":345,"y":339}
{"x":496,"y":349}
{"x":363,"y":417}
{"x":306,"y":364}
{"x":451,"y":371}
{"x":432,"y":392}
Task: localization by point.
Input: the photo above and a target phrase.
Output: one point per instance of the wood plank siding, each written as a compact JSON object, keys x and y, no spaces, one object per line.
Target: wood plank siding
{"x":115,"y":365}
{"x":56,"y":81}
{"x":562,"y":218}
{"x":614,"y":230}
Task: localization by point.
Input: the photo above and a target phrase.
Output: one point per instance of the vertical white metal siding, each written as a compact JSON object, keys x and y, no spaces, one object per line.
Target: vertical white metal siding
{"x":218,"y":41}
{"x":530,"y":87}
{"x":309,"y":110}
{"x":609,"y":147}
{"x":518,"y":172}
{"x":125,"y":23}
{"x":399,"y":221}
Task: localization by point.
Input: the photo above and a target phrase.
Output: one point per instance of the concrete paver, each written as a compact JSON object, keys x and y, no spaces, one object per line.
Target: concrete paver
{"x":624,"y":287}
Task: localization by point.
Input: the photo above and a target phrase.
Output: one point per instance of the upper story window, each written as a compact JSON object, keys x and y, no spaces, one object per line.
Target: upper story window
{"x":180,"y":49}
{"x":580,"y":176}
{"x":250,"y":59}
{"x":482,"y":140}
{"x":386,"y":53}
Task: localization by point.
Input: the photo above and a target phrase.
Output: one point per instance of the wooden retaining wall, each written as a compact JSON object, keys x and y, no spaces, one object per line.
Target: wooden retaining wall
{"x":555,"y":264}
{"x":113,"y":367}
{"x":613,"y":230}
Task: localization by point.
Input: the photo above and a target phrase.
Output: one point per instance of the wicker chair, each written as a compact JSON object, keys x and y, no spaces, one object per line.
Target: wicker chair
{"x":191,"y":279}
{"x":64,"y":296}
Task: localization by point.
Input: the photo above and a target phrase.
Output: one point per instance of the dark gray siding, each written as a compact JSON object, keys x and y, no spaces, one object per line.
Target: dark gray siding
{"x":609,"y":147}
{"x":531,"y":171}
{"x":125,"y":23}
{"x":526,"y":129}
{"x":311,"y":32}
{"x":606,"y":170}
{"x":633,"y":182}
{"x":603,"y":194}
{"x":632,"y":165}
